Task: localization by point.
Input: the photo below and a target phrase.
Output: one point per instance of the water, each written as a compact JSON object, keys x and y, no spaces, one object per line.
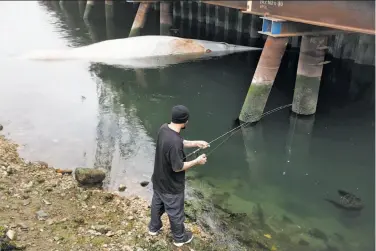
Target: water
{"x":72,"y":114}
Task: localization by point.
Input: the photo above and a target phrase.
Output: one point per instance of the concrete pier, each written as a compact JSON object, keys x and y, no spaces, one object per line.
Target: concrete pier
{"x":139,"y":20}
{"x":88,"y":9}
{"x":308,"y":78}
{"x":263,"y":79}
{"x":165,"y":17}
{"x":109,"y":9}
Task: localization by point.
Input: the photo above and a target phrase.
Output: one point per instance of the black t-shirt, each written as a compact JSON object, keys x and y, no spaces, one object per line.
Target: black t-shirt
{"x":169,"y":156}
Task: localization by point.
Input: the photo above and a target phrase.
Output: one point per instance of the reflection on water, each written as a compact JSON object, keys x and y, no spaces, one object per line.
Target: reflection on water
{"x":270,"y":179}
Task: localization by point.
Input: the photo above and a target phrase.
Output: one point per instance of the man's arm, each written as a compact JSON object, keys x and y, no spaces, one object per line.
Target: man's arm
{"x":195,"y":143}
{"x":176,"y":158}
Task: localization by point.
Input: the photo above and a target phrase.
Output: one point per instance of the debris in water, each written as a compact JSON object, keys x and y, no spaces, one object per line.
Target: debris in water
{"x":284,"y":173}
{"x":1,"y":127}
{"x":274,"y":248}
{"x":64,"y":171}
{"x":268,"y":236}
{"x":144,"y":183}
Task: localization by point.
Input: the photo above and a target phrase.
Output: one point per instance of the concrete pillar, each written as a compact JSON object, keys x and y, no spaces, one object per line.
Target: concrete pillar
{"x":165,"y":18}
{"x":308,"y":77}
{"x":139,"y":20}
{"x":263,"y":79}
{"x":109,"y":9}
{"x":88,"y":9}
{"x":81,"y":7}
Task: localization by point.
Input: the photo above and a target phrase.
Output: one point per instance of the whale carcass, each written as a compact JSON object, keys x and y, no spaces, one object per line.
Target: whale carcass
{"x":142,"y":51}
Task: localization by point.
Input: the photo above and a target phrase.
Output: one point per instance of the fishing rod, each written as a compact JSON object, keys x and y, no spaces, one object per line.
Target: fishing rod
{"x":236,"y":129}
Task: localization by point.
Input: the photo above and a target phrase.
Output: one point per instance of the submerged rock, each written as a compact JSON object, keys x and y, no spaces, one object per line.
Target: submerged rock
{"x":303,"y":243}
{"x":89,"y":176}
{"x":317,"y":233}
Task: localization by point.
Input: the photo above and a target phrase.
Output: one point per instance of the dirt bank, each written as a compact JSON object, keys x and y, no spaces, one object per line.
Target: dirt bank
{"x":41,"y":209}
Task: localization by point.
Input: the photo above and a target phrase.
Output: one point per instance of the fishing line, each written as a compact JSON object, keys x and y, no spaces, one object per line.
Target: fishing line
{"x":237,"y":128}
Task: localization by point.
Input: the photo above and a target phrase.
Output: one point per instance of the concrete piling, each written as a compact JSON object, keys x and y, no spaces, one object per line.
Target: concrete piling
{"x":308,"y":78}
{"x":81,"y":7}
{"x":88,"y":9}
{"x":165,"y":18}
{"x":139,"y":20}
{"x":263,"y":79}
{"x":109,"y":9}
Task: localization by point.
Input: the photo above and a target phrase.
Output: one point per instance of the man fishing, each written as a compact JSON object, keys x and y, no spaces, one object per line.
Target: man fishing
{"x":169,"y":176}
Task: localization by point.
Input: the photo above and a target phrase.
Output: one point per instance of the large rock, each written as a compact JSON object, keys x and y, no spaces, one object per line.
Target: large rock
{"x":89,"y":176}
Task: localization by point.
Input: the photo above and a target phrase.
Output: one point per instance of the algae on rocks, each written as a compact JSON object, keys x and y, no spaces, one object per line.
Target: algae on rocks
{"x":89,"y":176}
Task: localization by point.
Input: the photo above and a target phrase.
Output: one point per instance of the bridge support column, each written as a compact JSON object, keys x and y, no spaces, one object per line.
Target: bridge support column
{"x":88,"y":9}
{"x":165,"y":17}
{"x":308,"y":78}
{"x":109,"y":10}
{"x":263,"y":79}
{"x":139,"y":20}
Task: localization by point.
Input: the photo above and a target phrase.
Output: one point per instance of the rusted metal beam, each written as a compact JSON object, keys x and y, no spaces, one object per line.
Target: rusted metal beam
{"x":240,"y":5}
{"x":353,"y":16}
{"x":263,"y":79}
{"x":281,"y":28}
{"x":140,"y":19}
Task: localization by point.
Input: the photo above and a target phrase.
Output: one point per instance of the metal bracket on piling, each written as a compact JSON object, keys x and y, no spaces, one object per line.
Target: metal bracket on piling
{"x":282,"y":28}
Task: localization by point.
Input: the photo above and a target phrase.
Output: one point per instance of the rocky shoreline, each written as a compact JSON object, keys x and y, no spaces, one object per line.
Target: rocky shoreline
{"x":45,"y":209}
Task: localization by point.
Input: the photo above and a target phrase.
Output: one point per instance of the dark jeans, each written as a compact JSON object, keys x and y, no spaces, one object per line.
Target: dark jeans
{"x":173,"y":205}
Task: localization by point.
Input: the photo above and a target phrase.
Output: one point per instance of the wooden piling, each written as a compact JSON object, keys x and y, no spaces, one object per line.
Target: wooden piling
{"x":88,"y":9}
{"x":165,"y":18}
{"x":263,"y":79}
{"x":308,"y":78}
{"x":139,"y":20}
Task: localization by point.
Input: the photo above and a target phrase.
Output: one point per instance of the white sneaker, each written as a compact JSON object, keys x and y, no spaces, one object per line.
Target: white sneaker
{"x":187,"y":239}
{"x":156,"y":232}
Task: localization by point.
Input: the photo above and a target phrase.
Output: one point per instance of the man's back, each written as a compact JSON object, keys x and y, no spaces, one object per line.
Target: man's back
{"x":169,"y":156}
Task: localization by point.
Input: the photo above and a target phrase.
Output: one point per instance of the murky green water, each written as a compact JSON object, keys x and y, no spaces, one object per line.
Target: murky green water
{"x":278,"y":172}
